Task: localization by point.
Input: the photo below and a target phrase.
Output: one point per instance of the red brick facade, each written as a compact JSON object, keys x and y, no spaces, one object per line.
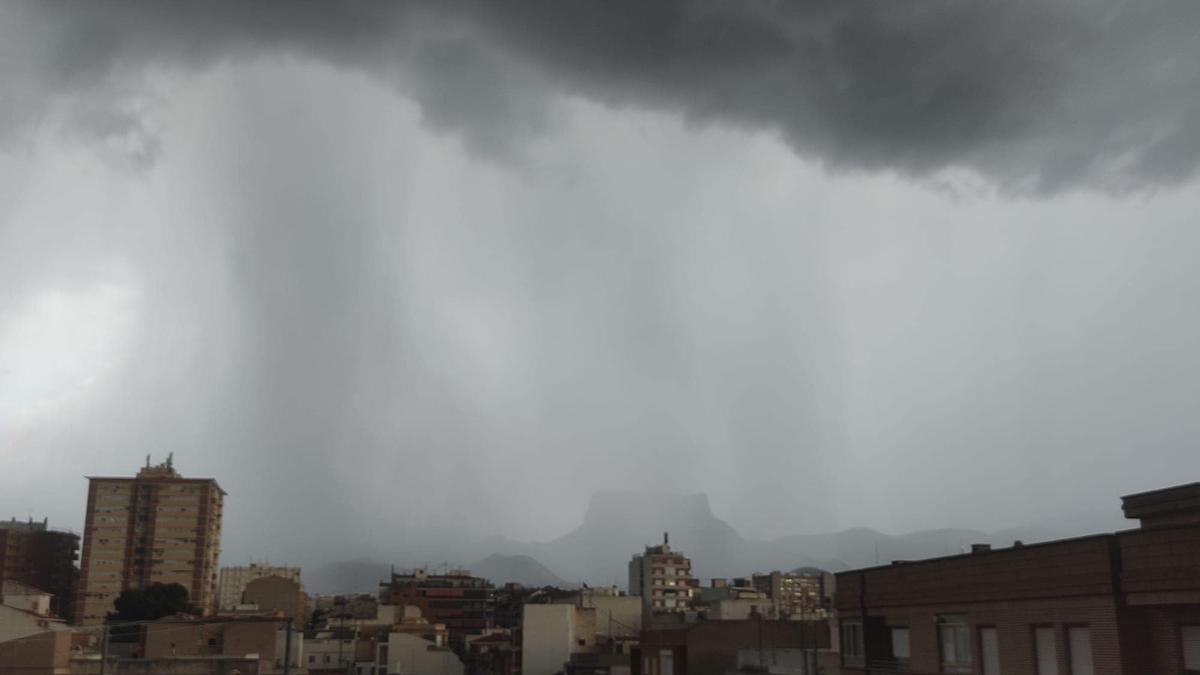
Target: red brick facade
{"x":1132,"y":591}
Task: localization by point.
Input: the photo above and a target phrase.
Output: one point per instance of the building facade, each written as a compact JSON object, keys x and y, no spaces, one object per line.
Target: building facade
{"x":798,"y":593}
{"x":462,"y":602}
{"x":1110,"y":604}
{"x":720,"y":647}
{"x":663,"y":579}
{"x":233,"y":581}
{"x":278,"y":595}
{"x":33,"y":554}
{"x":157,"y":527}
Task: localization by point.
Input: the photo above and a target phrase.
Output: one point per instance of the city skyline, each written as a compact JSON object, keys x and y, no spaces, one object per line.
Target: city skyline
{"x":440,"y":273}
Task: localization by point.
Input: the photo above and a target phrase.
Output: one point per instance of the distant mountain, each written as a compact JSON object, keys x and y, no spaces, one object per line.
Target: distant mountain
{"x":618,"y":525}
{"x":521,"y":569}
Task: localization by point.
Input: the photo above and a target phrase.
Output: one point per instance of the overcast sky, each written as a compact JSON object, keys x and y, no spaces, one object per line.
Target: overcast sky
{"x":399,"y":273}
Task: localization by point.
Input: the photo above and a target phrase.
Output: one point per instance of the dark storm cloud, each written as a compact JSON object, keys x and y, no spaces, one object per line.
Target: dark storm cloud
{"x":1036,"y":96}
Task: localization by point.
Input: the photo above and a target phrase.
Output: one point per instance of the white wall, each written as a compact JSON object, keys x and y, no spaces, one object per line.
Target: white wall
{"x":547,"y":636}
{"x":16,"y":623}
{"x":412,"y":655}
{"x":625,"y":610}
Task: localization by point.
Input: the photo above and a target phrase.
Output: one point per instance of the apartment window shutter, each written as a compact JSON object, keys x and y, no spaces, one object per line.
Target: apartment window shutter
{"x":989,"y":645}
{"x":1079,"y":639}
{"x":1047,"y":653}
{"x":1191,"y":647}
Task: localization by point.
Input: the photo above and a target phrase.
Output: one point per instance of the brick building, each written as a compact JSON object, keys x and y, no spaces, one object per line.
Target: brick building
{"x":458,"y":600}
{"x":719,"y":647}
{"x":157,"y":527}
{"x":33,"y":554}
{"x":1111,"y":604}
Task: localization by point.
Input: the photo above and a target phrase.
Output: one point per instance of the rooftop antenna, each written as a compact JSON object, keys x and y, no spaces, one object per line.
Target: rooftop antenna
{"x":666,"y":539}
{"x":147,"y":461}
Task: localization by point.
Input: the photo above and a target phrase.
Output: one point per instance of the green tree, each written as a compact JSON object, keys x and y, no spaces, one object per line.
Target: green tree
{"x":147,"y":604}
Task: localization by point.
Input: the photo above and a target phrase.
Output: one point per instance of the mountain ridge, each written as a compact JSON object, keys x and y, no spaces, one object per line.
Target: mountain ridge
{"x":619,"y":524}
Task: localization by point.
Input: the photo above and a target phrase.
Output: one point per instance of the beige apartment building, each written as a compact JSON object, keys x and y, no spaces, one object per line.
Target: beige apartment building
{"x":157,"y":527}
{"x":234,"y":579}
{"x":663,"y":579}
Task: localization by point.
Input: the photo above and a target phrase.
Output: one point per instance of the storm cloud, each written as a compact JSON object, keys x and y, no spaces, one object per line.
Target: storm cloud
{"x":1033,"y":96}
{"x":403,"y":276}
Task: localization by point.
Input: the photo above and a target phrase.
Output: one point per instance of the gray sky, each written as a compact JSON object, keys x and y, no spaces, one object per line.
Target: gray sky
{"x":395,"y":274}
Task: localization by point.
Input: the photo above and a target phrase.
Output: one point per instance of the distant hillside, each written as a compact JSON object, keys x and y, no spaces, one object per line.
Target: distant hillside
{"x":521,"y":569}
{"x":618,"y":525}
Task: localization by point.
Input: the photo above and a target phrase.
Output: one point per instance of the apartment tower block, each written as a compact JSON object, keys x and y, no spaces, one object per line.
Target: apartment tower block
{"x":157,"y":527}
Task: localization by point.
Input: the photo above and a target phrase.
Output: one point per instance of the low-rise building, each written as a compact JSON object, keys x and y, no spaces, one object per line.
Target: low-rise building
{"x":737,"y":600}
{"x":330,"y":652}
{"x":186,"y":640}
{"x":1108,"y":604}
{"x":493,"y":653}
{"x":409,"y":654}
{"x":718,"y":647}
{"x":25,"y":611}
{"x":280,"y":595}
{"x":232,"y":581}
{"x":463,"y":603}
{"x":551,"y":633}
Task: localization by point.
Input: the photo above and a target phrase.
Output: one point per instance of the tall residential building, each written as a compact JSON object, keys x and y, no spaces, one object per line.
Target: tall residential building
{"x":663,"y":579}
{"x":234,"y":579}
{"x":33,"y":554}
{"x":157,"y":527}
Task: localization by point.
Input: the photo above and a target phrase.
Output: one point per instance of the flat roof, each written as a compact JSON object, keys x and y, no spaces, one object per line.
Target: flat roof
{"x":165,"y":479}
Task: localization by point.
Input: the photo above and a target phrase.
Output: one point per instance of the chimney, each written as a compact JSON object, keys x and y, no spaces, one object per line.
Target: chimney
{"x":981,"y":548}
{"x":666,"y":539}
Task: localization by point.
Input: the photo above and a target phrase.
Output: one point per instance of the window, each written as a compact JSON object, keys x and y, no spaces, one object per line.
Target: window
{"x":1045,"y":651}
{"x":1079,"y":647}
{"x":1190,"y":637}
{"x":900,"y":650}
{"x":852,"y":642}
{"x":989,"y":650}
{"x":955,"y":640}
{"x":666,"y":662}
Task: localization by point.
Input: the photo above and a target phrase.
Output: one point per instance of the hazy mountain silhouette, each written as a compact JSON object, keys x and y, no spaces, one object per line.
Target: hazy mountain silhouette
{"x":618,"y":525}
{"x":521,"y":569}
